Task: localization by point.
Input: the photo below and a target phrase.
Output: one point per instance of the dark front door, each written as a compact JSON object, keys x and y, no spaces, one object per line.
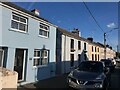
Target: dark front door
{"x":79,"y":59}
{"x":72,"y":60}
{"x":19,"y":63}
{"x":1,"y":57}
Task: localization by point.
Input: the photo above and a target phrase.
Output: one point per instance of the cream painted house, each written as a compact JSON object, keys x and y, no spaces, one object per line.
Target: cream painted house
{"x":93,"y":50}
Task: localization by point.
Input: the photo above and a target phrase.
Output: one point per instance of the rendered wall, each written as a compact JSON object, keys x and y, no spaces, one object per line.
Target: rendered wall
{"x":8,"y":79}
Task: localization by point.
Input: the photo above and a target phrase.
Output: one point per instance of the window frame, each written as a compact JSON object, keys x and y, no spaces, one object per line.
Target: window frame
{"x":19,"y":22}
{"x":40,"y":63}
{"x":44,"y":30}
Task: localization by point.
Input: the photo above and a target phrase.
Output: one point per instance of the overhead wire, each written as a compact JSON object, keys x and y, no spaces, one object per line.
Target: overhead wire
{"x":96,"y":21}
{"x":93,"y":17}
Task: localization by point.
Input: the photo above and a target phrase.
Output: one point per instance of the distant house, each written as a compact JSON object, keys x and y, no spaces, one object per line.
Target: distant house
{"x":71,"y":49}
{"x":28,"y":43}
{"x":93,"y":50}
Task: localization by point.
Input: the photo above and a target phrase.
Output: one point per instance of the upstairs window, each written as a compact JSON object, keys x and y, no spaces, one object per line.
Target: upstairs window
{"x":40,"y":57}
{"x":84,"y":46}
{"x":72,"y":45}
{"x":92,"y":48}
{"x":98,"y":49}
{"x":44,"y":30}
{"x":95,"y":49}
{"x":19,"y":23}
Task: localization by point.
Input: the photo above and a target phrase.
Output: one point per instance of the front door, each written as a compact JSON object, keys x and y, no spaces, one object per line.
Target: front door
{"x":19,"y":64}
{"x":79,"y":59}
{"x":1,"y":57}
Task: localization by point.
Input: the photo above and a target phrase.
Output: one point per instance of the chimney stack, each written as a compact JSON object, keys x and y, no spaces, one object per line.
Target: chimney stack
{"x":36,"y":12}
{"x":76,"y":32}
{"x":90,"y":39}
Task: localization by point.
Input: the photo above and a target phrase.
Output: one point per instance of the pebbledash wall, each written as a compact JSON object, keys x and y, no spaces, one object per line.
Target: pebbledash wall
{"x":14,"y":42}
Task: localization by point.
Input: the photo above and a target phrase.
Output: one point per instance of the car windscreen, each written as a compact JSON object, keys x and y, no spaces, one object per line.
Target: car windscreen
{"x":107,"y":62}
{"x":91,"y":66}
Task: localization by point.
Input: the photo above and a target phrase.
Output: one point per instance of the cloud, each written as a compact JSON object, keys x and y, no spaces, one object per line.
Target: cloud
{"x":111,"y":25}
{"x":58,"y":21}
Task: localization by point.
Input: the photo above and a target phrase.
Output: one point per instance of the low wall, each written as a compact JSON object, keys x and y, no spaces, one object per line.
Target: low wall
{"x":8,"y":79}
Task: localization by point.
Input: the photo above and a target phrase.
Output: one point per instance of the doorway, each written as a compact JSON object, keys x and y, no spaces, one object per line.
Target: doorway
{"x":79,"y":59}
{"x":1,"y":57}
{"x":19,"y":63}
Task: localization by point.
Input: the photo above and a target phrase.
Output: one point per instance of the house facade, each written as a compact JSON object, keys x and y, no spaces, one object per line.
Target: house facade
{"x":24,"y":44}
{"x":110,"y":53}
{"x":71,"y":49}
{"x":93,"y":50}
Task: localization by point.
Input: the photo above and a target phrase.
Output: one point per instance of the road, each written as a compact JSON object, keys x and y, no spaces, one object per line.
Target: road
{"x":115,"y":79}
{"x":59,"y":82}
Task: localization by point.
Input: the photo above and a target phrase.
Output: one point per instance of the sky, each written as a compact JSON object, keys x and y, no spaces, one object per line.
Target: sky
{"x":70,"y":15}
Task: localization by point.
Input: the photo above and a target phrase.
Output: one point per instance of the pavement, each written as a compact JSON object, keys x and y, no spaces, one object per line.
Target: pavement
{"x":53,"y":83}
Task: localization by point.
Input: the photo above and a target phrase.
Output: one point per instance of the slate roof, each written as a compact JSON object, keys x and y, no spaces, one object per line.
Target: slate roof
{"x":23,"y":10}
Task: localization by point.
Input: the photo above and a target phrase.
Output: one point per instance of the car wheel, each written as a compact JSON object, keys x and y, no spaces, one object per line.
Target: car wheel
{"x":105,"y":85}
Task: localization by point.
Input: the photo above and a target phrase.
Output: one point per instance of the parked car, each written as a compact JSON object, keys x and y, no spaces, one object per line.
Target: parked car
{"x":89,"y":74}
{"x":108,"y":63}
{"x":113,"y":61}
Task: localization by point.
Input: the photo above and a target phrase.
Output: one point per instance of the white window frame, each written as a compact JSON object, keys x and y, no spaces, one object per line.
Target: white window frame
{"x":2,"y":56}
{"x":18,"y":21}
{"x":40,"y":58}
{"x":43,"y":29}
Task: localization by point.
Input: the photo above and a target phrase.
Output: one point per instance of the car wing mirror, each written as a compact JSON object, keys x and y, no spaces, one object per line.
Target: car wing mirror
{"x":106,"y":69}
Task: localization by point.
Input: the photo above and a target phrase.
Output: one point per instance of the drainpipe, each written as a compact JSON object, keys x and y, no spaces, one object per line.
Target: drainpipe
{"x":65,"y":54}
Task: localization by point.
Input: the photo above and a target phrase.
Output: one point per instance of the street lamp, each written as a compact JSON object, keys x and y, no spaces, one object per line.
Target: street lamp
{"x":105,"y":41}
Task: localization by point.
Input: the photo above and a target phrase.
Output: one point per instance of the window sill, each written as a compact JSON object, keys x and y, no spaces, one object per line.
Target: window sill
{"x":43,"y":36}
{"x":15,"y":30}
{"x":39,"y":66}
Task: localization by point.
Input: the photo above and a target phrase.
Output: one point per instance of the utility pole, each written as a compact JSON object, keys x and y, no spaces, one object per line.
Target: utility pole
{"x":104,"y":45}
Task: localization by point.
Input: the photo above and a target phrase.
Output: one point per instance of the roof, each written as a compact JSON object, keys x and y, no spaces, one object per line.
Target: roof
{"x":65,"y":32}
{"x":23,"y":10}
{"x":78,"y":37}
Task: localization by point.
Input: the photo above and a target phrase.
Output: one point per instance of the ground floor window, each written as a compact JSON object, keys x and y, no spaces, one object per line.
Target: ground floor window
{"x":40,"y":57}
{"x":92,"y":56}
{"x":98,"y":57}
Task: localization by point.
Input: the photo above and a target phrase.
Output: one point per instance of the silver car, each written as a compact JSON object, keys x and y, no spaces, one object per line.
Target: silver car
{"x":89,"y":74}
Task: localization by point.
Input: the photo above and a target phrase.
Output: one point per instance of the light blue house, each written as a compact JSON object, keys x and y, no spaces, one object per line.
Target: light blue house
{"x":27,"y":43}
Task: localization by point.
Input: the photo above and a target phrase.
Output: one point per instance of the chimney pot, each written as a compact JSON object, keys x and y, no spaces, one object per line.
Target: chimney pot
{"x":36,"y":12}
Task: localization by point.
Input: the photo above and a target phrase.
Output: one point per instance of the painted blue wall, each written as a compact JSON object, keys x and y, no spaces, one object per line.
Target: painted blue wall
{"x":30,"y":41}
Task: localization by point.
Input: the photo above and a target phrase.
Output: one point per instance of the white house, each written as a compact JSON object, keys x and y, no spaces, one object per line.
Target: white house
{"x":71,"y":49}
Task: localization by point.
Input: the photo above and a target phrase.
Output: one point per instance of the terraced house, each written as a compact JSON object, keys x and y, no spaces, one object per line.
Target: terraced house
{"x":71,"y":49}
{"x":93,"y":50}
{"x":28,"y":43}
{"x":38,"y":49}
